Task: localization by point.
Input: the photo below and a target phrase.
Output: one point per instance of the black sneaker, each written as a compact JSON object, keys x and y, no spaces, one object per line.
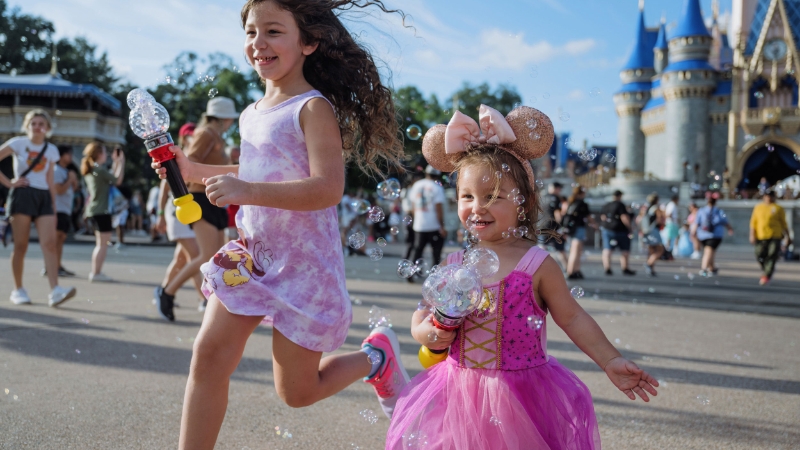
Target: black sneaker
{"x":62,"y":272}
{"x":580,"y":274}
{"x":628,"y":272}
{"x":573,"y":276}
{"x":609,"y":272}
{"x":164,"y":304}
{"x":649,"y":270}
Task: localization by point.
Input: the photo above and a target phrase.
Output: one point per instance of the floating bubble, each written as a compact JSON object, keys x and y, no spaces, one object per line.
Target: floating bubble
{"x":389,"y":189}
{"x":375,"y":254}
{"x":498,"y":174}
{"x":379,"y":318}
{"x":381,"y":242}
{"x":421,"y":265}
{"x":514,"y":192}
{"x":588,"y":155}
{"x":759,"y":95}
{"x":546,"y":95}
{"x":213,"y":92}
{"x":535,"y":322}
{"x":594,"y":92}
{"x":376,"y":214}
{"x":414,"y":132}
{"x":432,"y":336}
{"x":370,"y":416}
{"x":485,"y":261}
{"x":596,"y":134}
{"x":77,"y":351}
{"x":609,"y":158}
{"x":532,"y":123}
{"x":360,"y":206}
{"x":564,"y":116}
{"x":357,"y":240}
{"x":394,"y":231}
{"x":415,"y":440}
{"x":519,"y":199}
{"x":505,"y":234}
{"x":405,"y":268}
{"x":540,"y":184}
{"x":505,"y":168}
{"x":407,"y":220}
{"x":770,"y":148}
{"x":495,"y":421}
{"x":577,"y":292}
{"x":485,"y":178}
{"x":703,"y":400}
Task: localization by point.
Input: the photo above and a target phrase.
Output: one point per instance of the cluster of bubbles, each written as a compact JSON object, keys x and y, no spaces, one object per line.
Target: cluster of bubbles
{"x":407,"y":269}
{"x":518,"y":232}
{"x":376,"y":214}
{"x":415,"y":440}
{"x":148,"y":118}
{"x":213,"y":92}
{"x":610,"y":158}
{"x":369,"y":415}
{"x":379,"y":318}
{"x":532,"y":125}
{"x":535,"y":322}
{"x":494,"y":420}
{"x":389,"y":189}
{"x":588,"y":154}
{"x":456,"y":290}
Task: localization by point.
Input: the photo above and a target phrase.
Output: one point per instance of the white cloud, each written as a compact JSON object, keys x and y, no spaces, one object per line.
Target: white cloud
{"x":576,"y":95}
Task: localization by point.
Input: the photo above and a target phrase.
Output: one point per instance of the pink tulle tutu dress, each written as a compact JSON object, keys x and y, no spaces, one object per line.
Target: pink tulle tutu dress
{"x":498,"y":388}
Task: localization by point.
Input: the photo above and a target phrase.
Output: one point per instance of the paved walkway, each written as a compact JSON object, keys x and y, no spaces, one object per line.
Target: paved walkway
{"x":105,"y":372}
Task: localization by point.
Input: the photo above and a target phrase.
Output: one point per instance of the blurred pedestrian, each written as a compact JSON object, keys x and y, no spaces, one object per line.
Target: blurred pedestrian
{"x":767,"y":229}
{"x":710,"y":230}
{"x":615,"y":226}
{"x":552,"y":224}
{"x":427,"y":198}
{"x":135,"y":221}
{"x":692,"y":224}
{"x":152,"y":210}
{"x":99,"y":181}
{"x":66,"y":185}
{"x":671,"y":223}
{"x":651,"y":221}
{"x":408,"y":213}
{"x":32,"y":199}
{"x":575,"y":218}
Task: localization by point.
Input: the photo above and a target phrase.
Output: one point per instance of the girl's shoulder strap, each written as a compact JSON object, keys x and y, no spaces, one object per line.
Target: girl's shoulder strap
{"x":532,"y":260}
{"x":455,"y":258}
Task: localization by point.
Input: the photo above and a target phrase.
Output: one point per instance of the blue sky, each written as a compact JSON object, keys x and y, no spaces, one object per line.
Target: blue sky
{"x":558,"y":53}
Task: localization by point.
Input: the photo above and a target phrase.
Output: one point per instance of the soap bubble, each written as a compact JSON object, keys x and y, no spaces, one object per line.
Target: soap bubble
{"x":370,"y":416}
{"x":498,"y":174}
{"x":405,"y":268}
{"x":588,"y":155}
{"x":519,"y":199}
{"x":357,"y":240}
{"x":535,"y":322}
{"x":495,"y":421}
{"x":594,"y":92}
{"x":703,"y":400}
{"x":421,"y":265}
{"x":564,"y":117}
{"x":376,"y":214}
{"x":540,"y":184}
{"x":394,"y":230}
{"x":381,"y":242}
{"x":374,"y":358}
{"x":360,"y":206}
{"x":485,"y":261}
{"x":407,"y":220}
{"x":505,"y":167}
{"x":596,"y":134}
{"x":454,"y":290}
{"x":546,"y":95}
{"x":577,"y":292}
{"x":213,"y":92}
{"x":375,"y":254}
{"x":389,"y":189}
{"x":379,"y":318}
{"x":432,"y":336}
{"x":414,"y":132}
{"x":609,"y":158}
{"x":485,"y":178}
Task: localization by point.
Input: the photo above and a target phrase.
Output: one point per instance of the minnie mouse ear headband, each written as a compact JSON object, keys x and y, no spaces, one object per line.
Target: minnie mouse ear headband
{"x":526,"y":133}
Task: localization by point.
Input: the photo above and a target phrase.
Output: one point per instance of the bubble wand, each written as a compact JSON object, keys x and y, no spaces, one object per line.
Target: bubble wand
{"x":150,"y":121}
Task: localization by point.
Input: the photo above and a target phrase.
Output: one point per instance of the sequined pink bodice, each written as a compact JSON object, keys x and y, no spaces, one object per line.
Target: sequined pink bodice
{"x":511,"y":333}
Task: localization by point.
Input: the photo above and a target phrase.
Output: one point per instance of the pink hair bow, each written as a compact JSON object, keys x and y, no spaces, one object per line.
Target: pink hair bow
{"x":462,"y":130}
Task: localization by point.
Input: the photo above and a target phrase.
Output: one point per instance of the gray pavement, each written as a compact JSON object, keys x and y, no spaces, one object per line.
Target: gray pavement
{"x":104,"y":371}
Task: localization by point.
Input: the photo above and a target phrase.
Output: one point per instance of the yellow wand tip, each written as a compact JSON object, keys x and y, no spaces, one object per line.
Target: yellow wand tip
{"x":187,"y":210}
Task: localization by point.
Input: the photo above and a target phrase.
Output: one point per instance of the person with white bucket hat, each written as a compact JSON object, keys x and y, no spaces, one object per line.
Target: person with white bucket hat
{"x":207,"y":147}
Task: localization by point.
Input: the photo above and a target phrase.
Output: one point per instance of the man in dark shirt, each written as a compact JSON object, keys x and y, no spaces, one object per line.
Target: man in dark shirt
{"x":552,"y":210}
{"x":615,"y":223}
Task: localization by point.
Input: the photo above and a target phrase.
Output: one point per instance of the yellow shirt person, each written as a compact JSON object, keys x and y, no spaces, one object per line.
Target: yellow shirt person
{"x":768,"y":221}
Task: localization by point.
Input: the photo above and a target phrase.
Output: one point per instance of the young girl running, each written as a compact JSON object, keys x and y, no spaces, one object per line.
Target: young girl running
{"x":498,"y":388}
{"x":323,"y":94}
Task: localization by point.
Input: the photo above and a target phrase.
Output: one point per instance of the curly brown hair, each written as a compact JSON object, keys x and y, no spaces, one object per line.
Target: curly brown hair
{"x":495,"y":158}
{"x":346,"y":74}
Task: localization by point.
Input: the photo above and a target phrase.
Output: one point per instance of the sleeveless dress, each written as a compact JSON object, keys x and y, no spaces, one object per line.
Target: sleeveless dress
{"x":498,"y":388}
{"x":287,"y":265}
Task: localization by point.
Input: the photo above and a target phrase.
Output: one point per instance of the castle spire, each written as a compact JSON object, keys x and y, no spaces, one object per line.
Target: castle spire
{"x":715,"y":9}
{"x":641,"y":5}
{"x":642,"y":55}
{"x":691,"y":22}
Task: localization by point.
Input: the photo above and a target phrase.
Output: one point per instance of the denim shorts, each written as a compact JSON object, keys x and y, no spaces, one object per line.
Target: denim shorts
{"x":579,"y":234}
{"x":616,"y":239}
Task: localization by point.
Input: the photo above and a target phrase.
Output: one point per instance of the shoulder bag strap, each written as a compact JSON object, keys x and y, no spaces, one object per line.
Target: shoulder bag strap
{"x":35,"y":160}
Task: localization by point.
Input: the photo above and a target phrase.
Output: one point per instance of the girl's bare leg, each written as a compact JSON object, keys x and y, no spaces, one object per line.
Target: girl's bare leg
{"x":20,"y":233}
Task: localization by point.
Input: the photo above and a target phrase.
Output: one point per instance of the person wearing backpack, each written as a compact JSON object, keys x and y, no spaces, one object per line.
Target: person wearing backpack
{"x":575,"y":216}
{"x":711,"y":224}
{"x":651,"y":221}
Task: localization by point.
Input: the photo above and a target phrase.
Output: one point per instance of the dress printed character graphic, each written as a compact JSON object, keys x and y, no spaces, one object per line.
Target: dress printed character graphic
{"x":498,"y":389}
{"x":42,"y":163}
{"x":288,"y":265}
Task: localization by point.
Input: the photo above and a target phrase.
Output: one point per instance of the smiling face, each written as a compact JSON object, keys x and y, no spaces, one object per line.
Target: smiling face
{"x":492,"y":211}
{"x":273,"y":45}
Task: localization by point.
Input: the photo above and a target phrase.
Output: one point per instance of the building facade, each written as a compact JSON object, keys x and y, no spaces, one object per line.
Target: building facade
{"x":711,"y":104}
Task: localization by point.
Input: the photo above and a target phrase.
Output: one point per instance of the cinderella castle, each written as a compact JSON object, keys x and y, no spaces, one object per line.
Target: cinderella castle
{"x":702,"y":101}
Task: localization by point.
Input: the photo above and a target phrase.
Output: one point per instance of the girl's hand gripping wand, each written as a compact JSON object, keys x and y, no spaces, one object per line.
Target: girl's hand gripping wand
{"x":150,"y":121}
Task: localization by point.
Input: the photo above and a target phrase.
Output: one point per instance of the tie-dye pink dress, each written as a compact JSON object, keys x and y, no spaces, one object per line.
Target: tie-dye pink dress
{"x":498,"y":389}
{"x":288,"y":265}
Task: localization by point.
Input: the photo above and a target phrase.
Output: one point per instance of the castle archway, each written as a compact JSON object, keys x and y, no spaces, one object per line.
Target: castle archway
{"x":770,"y":157}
